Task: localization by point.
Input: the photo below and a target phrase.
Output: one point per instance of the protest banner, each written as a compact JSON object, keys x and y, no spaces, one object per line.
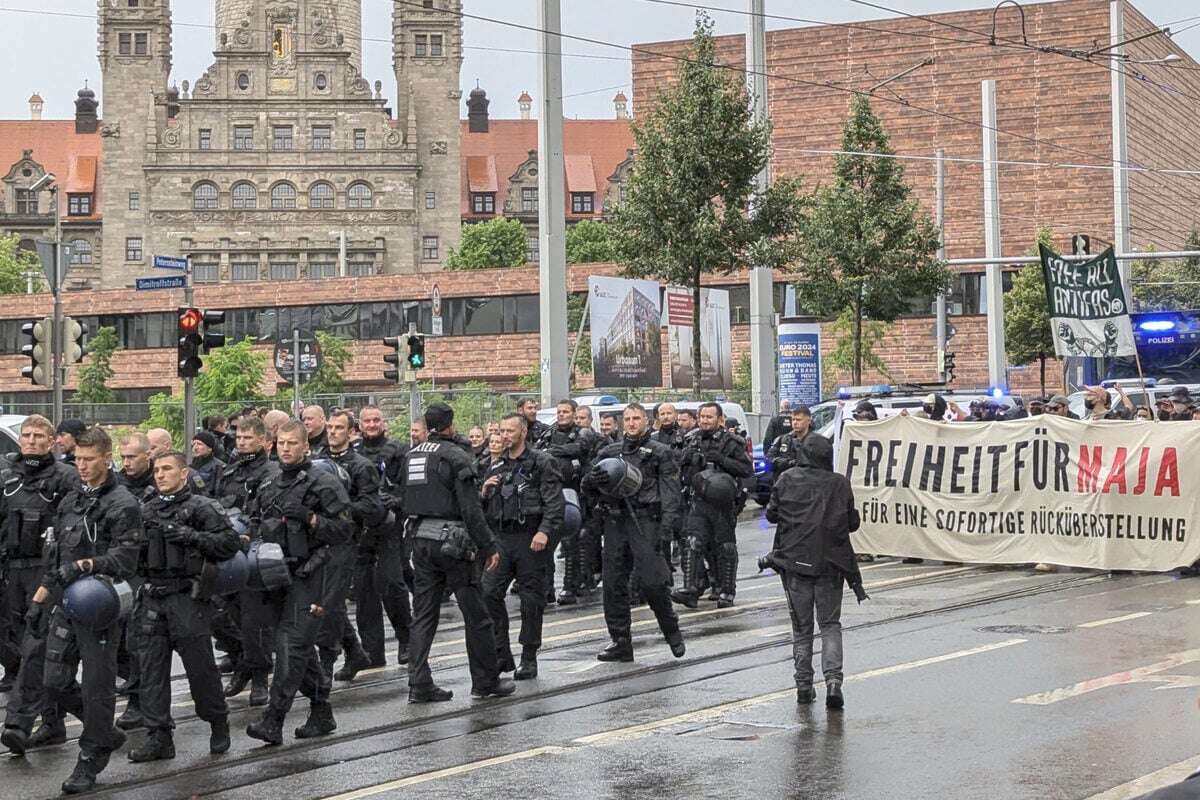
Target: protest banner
{"x":1089,"y":314}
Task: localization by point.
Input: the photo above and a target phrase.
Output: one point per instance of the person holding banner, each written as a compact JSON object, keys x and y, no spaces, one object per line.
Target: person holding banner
{"x":1099,"y":405}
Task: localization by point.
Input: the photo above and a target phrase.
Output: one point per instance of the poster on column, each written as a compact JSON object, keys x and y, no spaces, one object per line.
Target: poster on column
{"x":1100,"y":495}
{"x":626,"y":332}
{"x":800,"y":363}
{"x":716,"y":344}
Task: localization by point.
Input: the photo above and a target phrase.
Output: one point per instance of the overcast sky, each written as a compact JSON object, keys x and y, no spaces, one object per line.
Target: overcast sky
{"x":54,"y":54}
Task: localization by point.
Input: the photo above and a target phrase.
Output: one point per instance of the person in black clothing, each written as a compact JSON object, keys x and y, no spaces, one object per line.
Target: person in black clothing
{"x":354,"y":560}
{"x":68,"y":431}
{"x":225,"y":444}
{"x":571,"y":446}
{"x":610,"y":428}
{"x":313,"y":418}
{"x":670,"y":434}
{"x":630,"y":531}
{"x":782,"y":451}
{"x":780,"y":424}
{"x":524,"y":504}
{"x":714,"y":463}
{"x":98,"y":531}
{"x":186,"y":537}
{"x":687,"y":420}
{"x":450,"y":536}
{"x":814,"y":510}
{"x":33,"y":487}
{"x":528,"y":408}
{"x":137,"y":472}
{"x":307,"y":512}
{"x":205,"y":463}
{"x":237,"y":488}
{"x":384,"y":588}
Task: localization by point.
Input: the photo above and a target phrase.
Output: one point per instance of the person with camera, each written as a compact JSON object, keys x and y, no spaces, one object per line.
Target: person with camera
{"x":449,"y":537}
{"x":714,"y":464}
{"x":306,"y":512}
{"x":635,"y":486}
{"x":813,"y":509}
{"x":524,"y":505}
{"x":187,"y":536}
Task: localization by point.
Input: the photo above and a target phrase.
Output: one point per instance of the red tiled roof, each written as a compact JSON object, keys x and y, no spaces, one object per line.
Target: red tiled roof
{"x":55,"y":146}
{"x":581,"y":174}
{"x":606,"y":142}
{"x":82,"y":177}
{"x":481,"y":174}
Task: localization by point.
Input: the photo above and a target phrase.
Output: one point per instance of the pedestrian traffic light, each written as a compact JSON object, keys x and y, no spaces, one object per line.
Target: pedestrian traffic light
{"x":392,"y":358}
{"x":73,"y":349}
{"x":39,"y":350}
{"x":191,"y":341}
{"x":416,"y":351}
{"x":948,"y":366}
{"x":213,"y":339}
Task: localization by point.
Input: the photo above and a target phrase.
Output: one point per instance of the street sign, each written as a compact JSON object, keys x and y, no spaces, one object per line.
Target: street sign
{"x":436,"y":303}
{"x":171,"y":262}
{"x":45,"y":251}
{"x":310,"y":356}
{"x":149,"y":284}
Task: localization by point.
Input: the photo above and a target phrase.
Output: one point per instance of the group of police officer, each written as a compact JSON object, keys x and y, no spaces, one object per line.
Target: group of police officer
{"x":259,"y":543}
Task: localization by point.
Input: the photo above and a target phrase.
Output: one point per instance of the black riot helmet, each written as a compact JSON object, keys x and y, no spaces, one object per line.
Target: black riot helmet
{"x":621,"y":480}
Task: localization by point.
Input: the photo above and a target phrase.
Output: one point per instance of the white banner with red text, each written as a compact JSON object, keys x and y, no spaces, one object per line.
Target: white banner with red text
{"x":1101,"y":495}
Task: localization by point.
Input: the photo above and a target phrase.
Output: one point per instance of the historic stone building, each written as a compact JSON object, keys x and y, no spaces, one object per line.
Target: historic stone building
{"x":282,"y":153}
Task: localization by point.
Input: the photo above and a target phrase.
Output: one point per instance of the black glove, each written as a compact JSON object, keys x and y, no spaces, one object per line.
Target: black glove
{"x":180,"y":535}
{"x":859,"y":592}
{"x":696,"y":460}
{"x":67,"y":573}
{"x":556,"y":450}
{"x":294,"y":509}
{"x":35,"y":616}
{"x":594,"y":476}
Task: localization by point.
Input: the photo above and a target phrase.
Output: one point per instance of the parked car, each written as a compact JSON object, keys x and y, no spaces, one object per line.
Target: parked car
{"x":10,"y":434}
{"x":1154,"y":392}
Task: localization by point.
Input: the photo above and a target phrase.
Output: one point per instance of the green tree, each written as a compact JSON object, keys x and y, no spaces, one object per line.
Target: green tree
{"x":335,"y":357}
{"x":1168,"y":285}
{"x":499,"y":242}
{"x":233,"y":376}
{"x":685,"y":214}
{"x":1028,"y":336}
{"x":590,"y":242}
{"x":14,"y":263}
{"x":867,"y":245}
{"x":94,"y":376}
{"x":843,"y":356}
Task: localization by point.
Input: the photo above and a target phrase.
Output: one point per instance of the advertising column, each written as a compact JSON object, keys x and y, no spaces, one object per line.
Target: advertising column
{"x":800,"y":363}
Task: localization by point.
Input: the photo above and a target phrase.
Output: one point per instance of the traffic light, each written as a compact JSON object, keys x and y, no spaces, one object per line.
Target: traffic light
{"x":416,"y":351}
{"x":73,"y":349}
{"x":213,"y":339}
{"x":948,"y":366}
{"x":40,"y":351}
{"x":191,"y":341}
{"x":392,"y":358}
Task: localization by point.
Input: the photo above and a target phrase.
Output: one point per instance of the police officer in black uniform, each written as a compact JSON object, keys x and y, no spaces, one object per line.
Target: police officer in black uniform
{"x":186,"y":537}
{"x":206,"y":464}
{"x":33,"y":487}
{"x":528,"y":408}
{"x":237,"y":488}
{"x":630,"y":532}
{"x":783,"y":452}
{"x":383,"y":589}
{"x":352,"y":559}
{"x":137,"y":471}
{"x":307,"y":513}
{"x":524,"y":505}
{"x":98,"y":532}
{"x":449,"y":538}
{"x":670,"y":434}
{"x":712,"y":454}
{"x":314,"y":421}
{"x":571,"y":446}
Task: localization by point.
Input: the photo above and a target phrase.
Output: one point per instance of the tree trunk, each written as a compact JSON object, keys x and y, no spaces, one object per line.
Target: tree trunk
{"x":1042,"y":376}
{"x":856,"y":373}
{"x":696,"y":359}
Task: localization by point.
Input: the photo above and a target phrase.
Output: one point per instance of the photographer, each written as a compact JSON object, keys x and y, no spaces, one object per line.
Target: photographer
{"x":814,"y":510}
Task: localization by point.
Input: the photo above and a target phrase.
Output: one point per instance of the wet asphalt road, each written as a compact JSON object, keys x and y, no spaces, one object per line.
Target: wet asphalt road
{"x":961,"y":682}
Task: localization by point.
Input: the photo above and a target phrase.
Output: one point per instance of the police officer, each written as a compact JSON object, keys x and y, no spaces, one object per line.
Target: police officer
{"x":528,"y":408}
{"x":713,"y":459}
{"x":384,"y":588}
{"x":571,"y":446}
{"x":33,"y":487}
{"x":670,"y":434}
{"x":630,"y":531}
{"x":524,"y":505}
{"x":136,"y":473}
{"x":313,"y":418}
{"x":186,"y":537}
{"x":206,"y":464}
{"x":354,"y":559}
{"x":781,"y":453}
{"x":306,"y":512}
{"x":237,"y":488}
{"x":450,"y":535}
{"x":98,"y":532}
{"x":66,"y":434}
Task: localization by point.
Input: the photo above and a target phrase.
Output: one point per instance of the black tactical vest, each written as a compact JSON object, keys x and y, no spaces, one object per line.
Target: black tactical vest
{"x":429,"y":480}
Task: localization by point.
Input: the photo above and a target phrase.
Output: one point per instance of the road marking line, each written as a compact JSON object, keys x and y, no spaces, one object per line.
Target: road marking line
{"x":448,"y":772}
{"x":1193,"y":602}
{"x":1100,"y":623}
{"x":1137,"y":675}
{"x":1148,"y":783}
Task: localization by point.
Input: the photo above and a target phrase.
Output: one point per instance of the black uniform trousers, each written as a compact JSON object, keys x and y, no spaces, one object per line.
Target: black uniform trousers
{"x":295,"y":627}
{"x":28,"y":696}
{"x":631,"y":548}
{"x":68,"y":644}
{"x":227,"y":626}
{"x":434,"y":574}
{"x":257,"y":638}
{"x":518,"y":562}
{"x":713,"y":532}
{"x":336,"y":633}
{"x":380,"y":588}
{"x":21,"y":578}
{"x":128,"y":666}
{"x":175,"y":623}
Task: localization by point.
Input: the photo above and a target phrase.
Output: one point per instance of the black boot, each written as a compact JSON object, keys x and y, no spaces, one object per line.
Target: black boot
{"x":83,"y":778}
{"x":356,"y":661}
{"x":47,"y":734}
{"x":833,"y":695}
{"x":320,"y":722}
{"x":158,"y":747}
{"x":238,"y":682}
{"x":434,"y":694}
{"x":226,"y":664}
{"x":568,"y":595}
{"x":678,"y":648}
{"x":131,"y":718}
{"x":805,"y":695}
{"x":505,"y":662}
{"x":618,"y":650}
{"x":259,"y":692}
{"x":501,"y":688}
{"x":689,"y":562}
{"x":528,"y":669}
{"x":727,"y":564}
{"x":269,"y":729}
{"x":16,"y":740}
{"x":218,"y":737}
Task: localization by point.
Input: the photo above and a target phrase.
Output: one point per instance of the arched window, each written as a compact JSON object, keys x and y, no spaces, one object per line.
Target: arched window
{"x":320,"y":195}
{"x":204,"y":196}
{"x":283,"y":195}
{"x":245,"y":195}
{"x":359,"y":195}
{"x":81,"y":251}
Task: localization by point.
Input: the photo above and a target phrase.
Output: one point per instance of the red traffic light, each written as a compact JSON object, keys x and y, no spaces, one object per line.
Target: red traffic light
{"x":190,"y":319}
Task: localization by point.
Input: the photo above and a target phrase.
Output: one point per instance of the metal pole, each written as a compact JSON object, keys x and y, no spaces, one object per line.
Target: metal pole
{"x":58,"y":373}
{"x":414,"y":394}
{"x":342,"y":253}
{"x":1018,"y":260}
{"x":552,"y":223}
{"x":940,"y":210}
{"x":296,"y":369}
{"x":1120,"y":153}
{"x":762,"y":299}
{"x":189,"y":386}
{"x":587,"y":307}
{"x":997,"y":360}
